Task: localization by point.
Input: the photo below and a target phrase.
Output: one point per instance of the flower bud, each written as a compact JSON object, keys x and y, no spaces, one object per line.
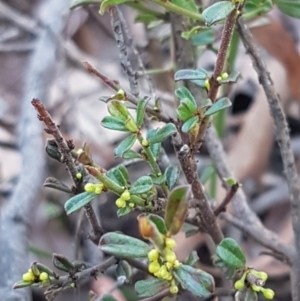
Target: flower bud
{"x":174,"y":289}
{"x":44,"y":277}
{"x":154,"y":267}
{"x":125,"y":195}
{"x":153,"y":255}
{"x":224,"y":75}
{"x":89,"y":187}
{"x":78,"y":175}
{"x":170,"y":243}
{"x":268,"y":293}
{"x":28,"y":277}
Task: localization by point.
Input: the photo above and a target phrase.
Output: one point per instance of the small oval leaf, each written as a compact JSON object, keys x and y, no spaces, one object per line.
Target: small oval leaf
{"x":176,"y":208}
{"x":124,"y":211}
{"x":184,"y":93}
{"x":150,"y":287}
{"x":183,"y":112}
{"x":219,"y":105}
{"x":130,"y":154}
{"x":141,"y":185}
{"x":194,"y":280}
{"x":78,"y":201}
{"x":125,"y":145}
{"x":162,"y":134}
{"x":140,"y":111}
{"x":172,"y":175}
{"x":114,"y":123}
{"x":217,"y":12}
{"x":123,"y":246}
{"x":189,"y":124}
{"x":230,"y":253}
{"x":188,"y":74}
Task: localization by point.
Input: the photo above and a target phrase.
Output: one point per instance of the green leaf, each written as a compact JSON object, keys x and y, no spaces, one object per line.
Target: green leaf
{"x":130,"y":154}
{"x":141,"y":185}
{"x":172,"y":175}
{"x":230,"y":253}
{"x":207,"y":173}
{"x":124,"y":269}
{"x":219,"y":105}
{"x":188,"y":74}
{"x":203,"y":38}
{"x":232,"y":78}
{"x":21,"y":284}
{"x":189,"y":124}
{"x":78,"y":201}
{"x":192,"y":259}
{"x":194,"y":280}
{"x":106,"y":3}
{"x":184,"y":112}
{"x":123,"y":246}
{"x":157,"y":180}
{"x":162,"y":134}
{"x":184,"y":94}
{"x":116,"y":175}
{"x":118,"y":110}
{"x":140,"y":111}
{"x":195,"y":30}
{"x":155,"y":148}
{"x":289,"y":7}
{"x":217,"y":12}
{"x":246,"y":294}
{"x":62,"y":263}
{"x":104,"y":99}
{"x":176,"y":208}
{"x":125,"y":145}
{"x":54,"y":183}
{"x":159,"y":222}
{"x":114,"y":123}
{"x":124,"y":211}
{"x":150,"y":287}
{"x":186,"y":4}
{"x":108,"y":298}
{"x":76,"y":3}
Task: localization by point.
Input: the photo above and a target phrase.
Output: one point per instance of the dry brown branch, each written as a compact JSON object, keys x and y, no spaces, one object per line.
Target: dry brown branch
{"x":283,"y":139}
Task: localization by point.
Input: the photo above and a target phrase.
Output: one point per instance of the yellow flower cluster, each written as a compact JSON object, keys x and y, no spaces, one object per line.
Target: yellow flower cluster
{"x":37,"y":277}
{"x":162,"y":263}
{"x":240,"y":284}
{"x":124,"y":197}
{"x":96,"y":188}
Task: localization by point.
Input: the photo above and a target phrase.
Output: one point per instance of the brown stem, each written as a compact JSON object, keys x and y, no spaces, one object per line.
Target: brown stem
{"x":204,"y":212}
{"x":230,"y":194}
{"x":116,"y":87}
{"x":283,"y":139}
{"x":219,"y":66}
{"x":67,"y":159}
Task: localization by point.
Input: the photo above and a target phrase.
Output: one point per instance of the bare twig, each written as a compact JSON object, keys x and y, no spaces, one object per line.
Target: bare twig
{"x":67,"y":159}
{"x":230,"y":194}
{"x":283,"y":138}
{"x":130,"y":97}
{"x":118,"y":31}
{"x":242,"y":213}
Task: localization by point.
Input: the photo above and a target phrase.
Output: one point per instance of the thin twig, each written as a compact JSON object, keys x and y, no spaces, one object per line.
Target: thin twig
{"x":118,"y":31}
{"x":230,"y":194}
{"x":283,"y":138}
{"x":127,"y":34}
{"x":130,"y":97}
{"x":242,"y":213}
{"x":67,"y":159}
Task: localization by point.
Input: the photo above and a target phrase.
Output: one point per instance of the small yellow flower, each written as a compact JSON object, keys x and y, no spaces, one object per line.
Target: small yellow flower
{"x":170,"y":256}
{"x":154,"y":267}
{"x":268,"y":293}
{"x":173,"y":289}
{"x":98,"y":188}
{"x":44,"y":276}
{"x":131,"y":205}
{"x":125,"y":195}
{"x":224,"y":75}
{"x":176,"y":264}
{"x":89,"y":187}
{"x":29,"y":277}
{"x":145,"y":143}
{"x":170,"y":243}
{"x":120,"y":203}
{"x":79,"y":175}
{"x":153,"y":255}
